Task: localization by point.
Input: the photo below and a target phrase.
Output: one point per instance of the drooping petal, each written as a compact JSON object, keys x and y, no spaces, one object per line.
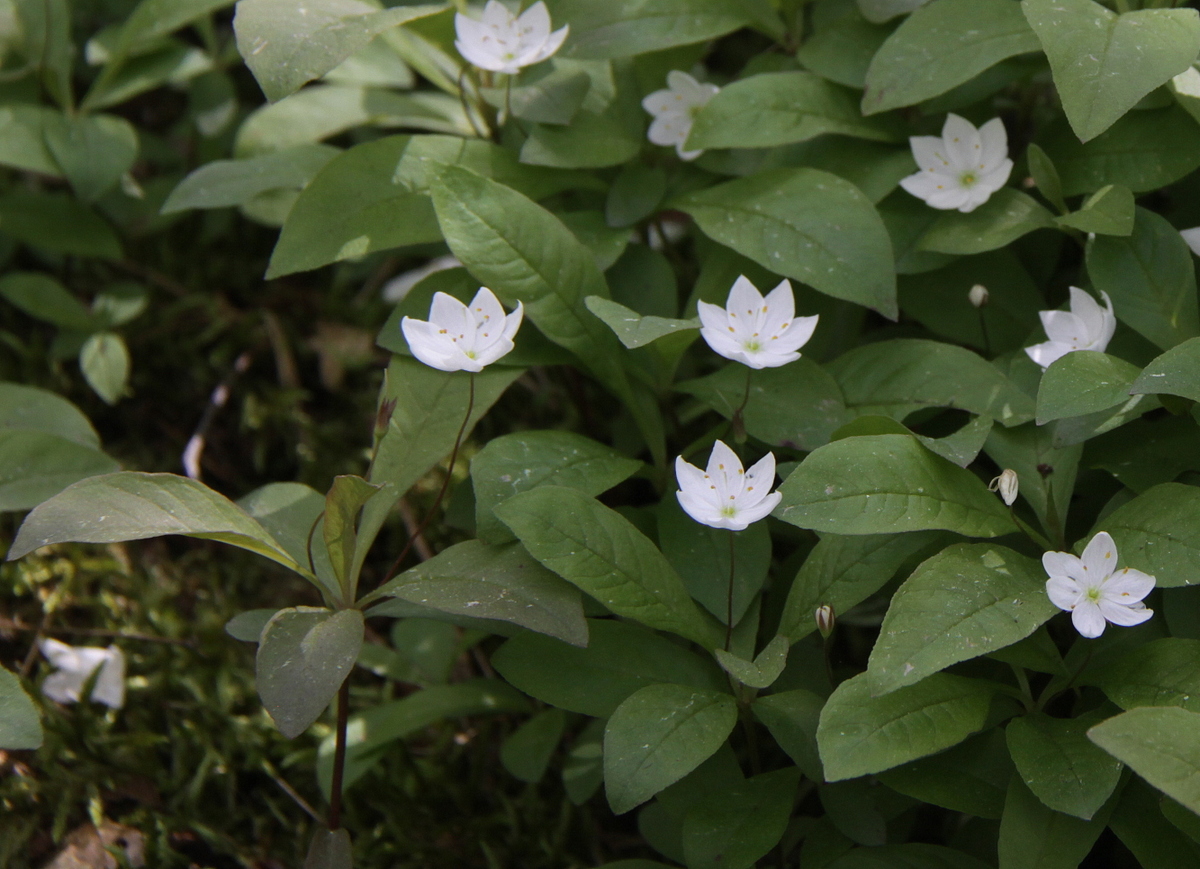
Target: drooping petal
{"x":1128,"y":586}
{"x":1088,"y":620}
{"x":962,"y":143}
{"x":1099,"y":558}
{"x":1063,"y":592}
{"x":687,"y":155}
{"x":994,"y":138}
{"x":1063,"y":564}
{"x":1064,"y":327}
{"x":1047,"y":353}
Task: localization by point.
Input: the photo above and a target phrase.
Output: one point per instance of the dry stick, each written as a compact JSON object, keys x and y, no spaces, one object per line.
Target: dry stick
{"x":14,"y":625}
{"x":339,"y":756}
{"x":410,"y":525}
{"x":290,"y":791}
{"x":442,"y":492}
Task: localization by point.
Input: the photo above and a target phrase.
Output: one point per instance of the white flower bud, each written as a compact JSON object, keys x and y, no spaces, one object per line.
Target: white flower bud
{"x":826,"y":619}
{"x":1006,"y":485}
{"x":978,"y":295}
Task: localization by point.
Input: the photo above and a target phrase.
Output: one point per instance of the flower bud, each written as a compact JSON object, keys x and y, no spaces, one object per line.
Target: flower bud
{"x":826,"y":619}
{"x":383,"y":417}
{"x":978,"y":295}
{"x":1006,"y":485}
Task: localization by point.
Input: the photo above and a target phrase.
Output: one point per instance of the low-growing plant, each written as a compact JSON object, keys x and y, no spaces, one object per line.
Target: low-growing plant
{"x":932,"y":252}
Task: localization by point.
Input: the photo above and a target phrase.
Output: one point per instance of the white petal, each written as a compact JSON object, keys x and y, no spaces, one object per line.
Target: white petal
{"x":1192,"y":237}
{"x":780,"y":306}
{"x":63,"y":686}
{"x":1063,"y":564}
{"x":1047,"y":353}
{"x":110,"y":684}
{"x":690,"y":478}
{"x":512,"y":322}
{"x":721,"y":343}
{"x":952,"y":196}
{"x":1088,"y":619}
{"x":661,"y":102}
{"x":797,"y":335}
{"x":669,"y":129}
{"x":1064,"y":593}
{"x":687,"y":155}
{"x":1110,"y":325}
{"x":1128,"y":586}
{"x":534,"y":22}
{"x":1099,"y":558}
{"x":702,"y":511}
{"x":994,"y":138}
{"x":1124,"y":616}
{"x":768,"y":358}
{"x":58,"y":653}
{"x":1089,"y":312}
{"x":552,"y":44}
{"x":428,"y":345}
{"x":930,"y":154}
{"x":996,"y":178}
{"x":963,"y":146}
{"x":744,"y":301}
{"x":725,"y":462}
{"x":748,"y":515}
{"x":1064,"y":327}
{"x":761,"y":476}
{"x":496,"y":14}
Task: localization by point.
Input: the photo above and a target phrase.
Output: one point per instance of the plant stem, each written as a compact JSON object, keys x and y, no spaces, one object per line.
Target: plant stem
{"x":729,"y":599}
{"x":445,"y":484}
{"x":987,"y":341}
{"x":736,"y":422}
{"x":1023,"y":683}
{"x":339,"y":756}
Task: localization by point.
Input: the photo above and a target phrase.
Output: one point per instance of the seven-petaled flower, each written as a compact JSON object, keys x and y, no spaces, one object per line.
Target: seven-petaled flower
{"x":459,"y":337}
{"x":674,"y":108}
{"x":724,"y":495}
{"x":1086,"y":326}
{"x":761,"y":333}
{"x":962,"y":167}
{"x":75,"y":666}
{"x":1092,"y":589}
{"x":503,"y":42}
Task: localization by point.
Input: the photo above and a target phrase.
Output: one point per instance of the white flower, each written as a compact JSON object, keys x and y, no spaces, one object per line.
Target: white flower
{"x":1086,"y":326}
{"x":462,"y":338}
{"x":75,"y":666}
{"x":1093,"y":590}
{"x":725,"y":496}
{"x":1006,"y":484}
{"x":761,"y":333}
{"x":961,"y":168}
{"x":674,"y":109}
{"x":503,"y":42}
{"x":1192,"y":237}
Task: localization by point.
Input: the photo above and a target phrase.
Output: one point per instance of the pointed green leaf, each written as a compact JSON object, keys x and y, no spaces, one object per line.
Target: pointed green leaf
{"x":792,"y":718}
{"x":222,"y":183}
{"x":627,"y":27}
{"x":734,"y":827}
{"x":20,"y":727}
{"x":1035,"y":836}
{"x":1058,"y":763}
{"x":1164,"y":672}
{"x":94,"y":151}
{"x":1158,"y":532}
{"x":527,"y":752}
{"x":631,"y":328}
{"x":1082,"y":383}
{"x":1108,"y":211}
{"x":345,"y":498}
{"x":104,"y":360}
{"x":1161,"y":744}
{"x":1176,"y":372}
{"x":763,"y":670}
{"x":39,"y":410}
{"x":1005,"y":217}
{"x":36,"y":466}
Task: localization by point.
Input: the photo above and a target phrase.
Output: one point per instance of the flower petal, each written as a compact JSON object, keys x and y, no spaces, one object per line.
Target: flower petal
{"x":781,"y":309}
{"x":700,"y":510}
{"x":1088,"y":620}
{"x":1063,"y":564}
{"x":1099,"y":558}
{"x":744,"y":301}
{"x":962,"y":143}
{"x":1063,"y":592}
{"x":1192,"y":237}
{"x":1048,"y":352}
{"x":1128,"y":586}
{"x":746,"y":516}
{"x":930,"y":154}
{"x":552,"y":44}
{"x":1125,"y":616}
{"x":1064,"y":327}
{"x":994,"y":138}
{"x":109,"y":688}
{"x":670,"y":128}
{"x":1089,"y":312}
{"x":797,"y":335}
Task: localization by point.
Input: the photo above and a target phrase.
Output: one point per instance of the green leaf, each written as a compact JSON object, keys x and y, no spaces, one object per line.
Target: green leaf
{"x":1043,"y":467}
{"x":841,"y":49}
{"x":700,"y":555}
{"x":1164,"y":672}
{"x":94,"y":151}
{"x":792,"y":718}
{"x":941,"y":46}
{"x":1161,"y":744}
{"x":1045,"y":176}
{"x":525,"y":460}
{"x":1158,"y":532}
{"x":345,"y":498}
{"x":860,"y":734}
{"x":657,"y":736}
{"x":524,"y":253}
{"x":1005,"y":217}
{"x":503,"y":583}
{"x":969,"y":599}
{"x":372,"y":731}
{"x":1108,"y":211}
{"x":1151,"y":280}
{"x":1104,"y":63}
{"x":1037,"y":837}
{"x":23,"y":145}
{"x":879,"y":11}
{"x":779,"y":108}
{"x":888,"y":483}
{"x":763,"y":670}
{"x":1145,"y":150}
{"x":330,"y":849}
{"x":104,"y":360}
{"x":972,"y":777}
{"x":635,"y":194}
{"x":1082,"y":383}
{"x":1172,"y":373}
{"x":599,"y":551}
{"x":153,"y":19}
{"x":284,"y":50}
{"x":129,"y":505}
{"x":619,"y":659}
{"x":33,"y":409}
{"x":631,"y":328}
{"x":1140,"y":824}
{"x":20,"y":727}
{"x":627,"y":27}
{"x":910,"y":856}
{"x":527,"y":752}
{"x":896,"y":377}
{"x":1059,"y":764}
{"x":547,"y":93}
{"x":37,"y":465}
{"x":289,"y":512}
{"x":58,"y":223}
{"x":733,"y":828}
{"x":304,"y":655}
{"x":42,"y":297}
{"x":798,"y":405}
{"x":804,"y":224}
{"x":842,"y":572}
{"x":223,"y":183}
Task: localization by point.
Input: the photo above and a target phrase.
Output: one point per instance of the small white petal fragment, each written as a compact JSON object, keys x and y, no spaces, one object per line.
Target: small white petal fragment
{"x":961,"y":168}
{"x":76,"y":664}
{"x":503,"y":42}
{"x":756,"y":331}
{"x":673,"y":110}
{"x":724,"y":495}
{"x":1086,"y":326}
{"x":1092,"y":589}
{"x":1006,"y":485}
{"x":1192,"y":237}
{"x":460,"y":337}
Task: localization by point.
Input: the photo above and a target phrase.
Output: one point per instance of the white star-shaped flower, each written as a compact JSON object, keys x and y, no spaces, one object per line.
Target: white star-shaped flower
{"x":673,"y":110}
{"x":503,"y":42}
{"x":961,"y":168}
{"x":459,"y":337}
{"x":1086,"y":326}
{"x":1094,"y":591}
{"x":761,"y":333}
{"x":723,"y":495}
{"x":75,"y":666}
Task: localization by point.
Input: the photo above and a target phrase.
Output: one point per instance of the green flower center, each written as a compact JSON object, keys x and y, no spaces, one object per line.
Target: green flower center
{"x":753,"y":346}
{"x":1093,"y":594}
{"x":968,"y":179}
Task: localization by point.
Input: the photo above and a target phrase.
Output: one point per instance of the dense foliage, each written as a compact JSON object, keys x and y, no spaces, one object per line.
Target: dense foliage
{"x":890,"y":250}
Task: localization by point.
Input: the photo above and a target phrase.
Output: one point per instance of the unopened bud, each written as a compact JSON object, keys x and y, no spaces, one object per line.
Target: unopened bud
{"x":383,"y":417}
{"x":978,"y":295}
{"x":826,"y":619}
{"x":1006,"y":485}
